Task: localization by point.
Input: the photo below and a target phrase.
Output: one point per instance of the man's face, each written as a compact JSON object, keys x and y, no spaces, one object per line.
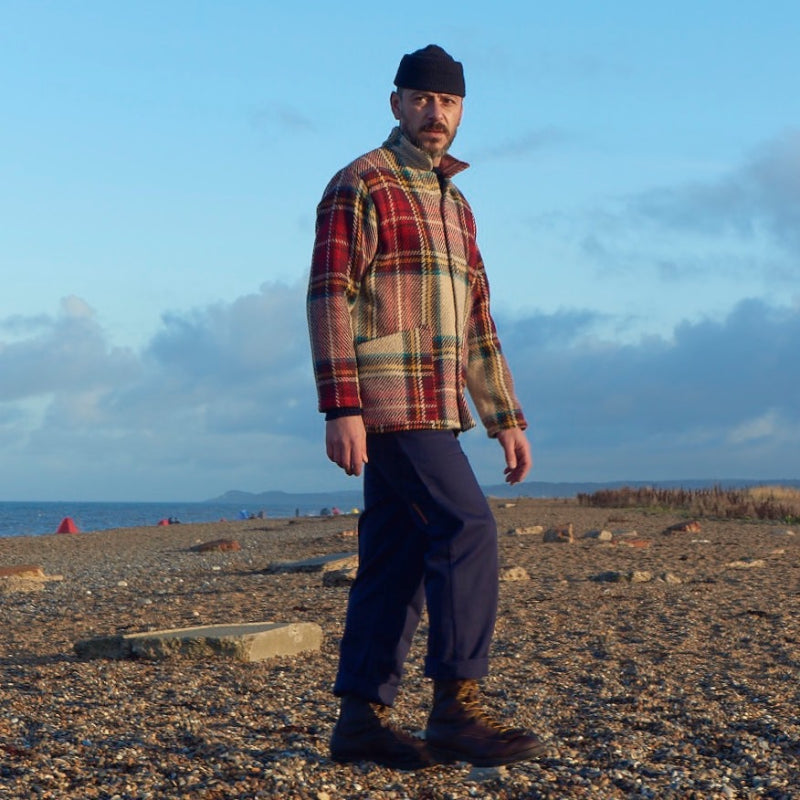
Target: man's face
{"x":428,"y":119}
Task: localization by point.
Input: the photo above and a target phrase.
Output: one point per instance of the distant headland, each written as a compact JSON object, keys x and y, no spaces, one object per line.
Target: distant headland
{"x":534,"y":489}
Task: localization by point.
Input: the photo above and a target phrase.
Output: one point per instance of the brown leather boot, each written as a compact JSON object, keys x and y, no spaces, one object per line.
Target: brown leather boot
{"x":460,"y":730}
{"x":363,"y":733}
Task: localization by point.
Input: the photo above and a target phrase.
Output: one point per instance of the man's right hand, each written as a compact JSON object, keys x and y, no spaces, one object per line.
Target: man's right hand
{"x":346,"y":443}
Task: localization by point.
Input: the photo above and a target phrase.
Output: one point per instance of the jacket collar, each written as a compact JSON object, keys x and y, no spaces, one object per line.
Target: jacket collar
{"x":411,"y":156}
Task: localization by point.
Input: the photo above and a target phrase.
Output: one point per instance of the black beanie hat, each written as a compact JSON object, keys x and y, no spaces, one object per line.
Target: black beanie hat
{"x":431,"y":70}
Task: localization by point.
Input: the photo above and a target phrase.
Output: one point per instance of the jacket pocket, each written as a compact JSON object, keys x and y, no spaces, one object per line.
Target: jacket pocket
{"x":396,"y":378}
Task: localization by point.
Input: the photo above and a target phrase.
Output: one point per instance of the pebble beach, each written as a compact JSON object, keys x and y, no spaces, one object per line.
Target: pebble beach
{"x":656,"y":663}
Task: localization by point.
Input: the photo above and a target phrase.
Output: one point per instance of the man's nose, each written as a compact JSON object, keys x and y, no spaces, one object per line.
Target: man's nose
{"x":436,"y":109}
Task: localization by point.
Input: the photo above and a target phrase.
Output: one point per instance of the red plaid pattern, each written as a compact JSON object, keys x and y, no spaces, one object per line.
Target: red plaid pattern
{"x":398,"y":301}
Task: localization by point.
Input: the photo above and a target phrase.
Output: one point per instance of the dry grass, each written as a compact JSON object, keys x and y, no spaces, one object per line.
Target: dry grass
{"x":780,"y":503}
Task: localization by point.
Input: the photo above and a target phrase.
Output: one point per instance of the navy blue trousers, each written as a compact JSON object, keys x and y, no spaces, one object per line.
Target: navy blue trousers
{"x":426,"y":534}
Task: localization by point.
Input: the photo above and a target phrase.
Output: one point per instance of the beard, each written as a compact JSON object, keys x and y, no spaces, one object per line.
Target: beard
{"x":433,"y":150}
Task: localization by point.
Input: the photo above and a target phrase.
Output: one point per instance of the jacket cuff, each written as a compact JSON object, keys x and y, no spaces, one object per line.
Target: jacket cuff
{"x":347,"y":411}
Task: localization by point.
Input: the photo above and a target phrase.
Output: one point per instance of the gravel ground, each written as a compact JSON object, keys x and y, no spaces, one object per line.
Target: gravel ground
{"x":662,"y":671}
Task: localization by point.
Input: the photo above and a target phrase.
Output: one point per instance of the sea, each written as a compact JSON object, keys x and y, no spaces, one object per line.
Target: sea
{"x":37,"y":519}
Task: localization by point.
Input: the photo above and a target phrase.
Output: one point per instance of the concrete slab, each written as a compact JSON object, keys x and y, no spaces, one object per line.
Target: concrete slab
{"x":254,"y":641}
{"x":24,"y":578}
{"x":327,"y":563}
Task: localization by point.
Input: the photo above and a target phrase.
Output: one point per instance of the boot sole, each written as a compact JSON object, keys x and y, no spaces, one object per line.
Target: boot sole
{"x":356,"y":758}
{"x":446,"y":756}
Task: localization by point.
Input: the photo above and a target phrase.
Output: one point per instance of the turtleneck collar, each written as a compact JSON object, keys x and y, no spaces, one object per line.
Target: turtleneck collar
{"x":412,"y":156}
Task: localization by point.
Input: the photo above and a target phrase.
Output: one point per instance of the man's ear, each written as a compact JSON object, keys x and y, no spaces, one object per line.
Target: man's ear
{"x":394,"y":102}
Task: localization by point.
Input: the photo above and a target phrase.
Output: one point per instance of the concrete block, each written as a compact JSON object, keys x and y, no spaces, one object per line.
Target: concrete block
{"x":328,"y":563}
{"x":254,"y":641}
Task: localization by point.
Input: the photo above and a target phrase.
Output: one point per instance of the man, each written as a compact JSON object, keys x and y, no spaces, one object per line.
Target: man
{"x":398,"y":309}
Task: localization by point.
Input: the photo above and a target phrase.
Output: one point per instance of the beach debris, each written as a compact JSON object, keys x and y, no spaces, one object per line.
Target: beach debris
{"x":67,"y":525}
{"x":638,"y":543}
{"x":608,"y":576}
{"x":254,"y":641}
{"x":339,"y":577}
{"x":634,"y":576}
{"x":22,"y":571}
{"x":217,"y":545}
{"x":690,"y":526}
{"x":24,"y":578}
{"x":614,"y":576}
{"x":562,"y":534}
{"x":328,"y":563}
{"x":600,"y":535}
{"x":527,"y":530}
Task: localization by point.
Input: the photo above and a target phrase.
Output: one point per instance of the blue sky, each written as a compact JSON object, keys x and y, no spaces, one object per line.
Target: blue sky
{"x":635,"y":176}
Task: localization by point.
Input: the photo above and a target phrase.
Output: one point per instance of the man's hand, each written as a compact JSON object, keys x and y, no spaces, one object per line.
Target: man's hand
{"x":346,"y":443}
{"x":518,"y":454}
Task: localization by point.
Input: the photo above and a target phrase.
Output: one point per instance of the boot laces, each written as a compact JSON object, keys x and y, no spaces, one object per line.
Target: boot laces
{"x":382,"y":712}
{"x":469,"y":698}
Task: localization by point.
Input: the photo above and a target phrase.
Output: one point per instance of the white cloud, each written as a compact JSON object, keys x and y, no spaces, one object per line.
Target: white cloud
{"x":678,"y":405}
{"x":768,"y":425}
{"x":761,"y":197}
{"x":223,"y":397}
{"x":64,"y":353}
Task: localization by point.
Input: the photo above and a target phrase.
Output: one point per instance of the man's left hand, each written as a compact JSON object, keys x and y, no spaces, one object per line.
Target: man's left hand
{"x":517,"y":450}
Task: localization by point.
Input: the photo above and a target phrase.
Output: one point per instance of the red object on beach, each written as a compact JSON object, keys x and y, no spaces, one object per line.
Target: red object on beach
{"x":163,"y":522}
{"x":67,"y":526}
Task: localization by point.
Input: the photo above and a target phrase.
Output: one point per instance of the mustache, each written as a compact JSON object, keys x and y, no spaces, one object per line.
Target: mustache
{"x":436,"y":127}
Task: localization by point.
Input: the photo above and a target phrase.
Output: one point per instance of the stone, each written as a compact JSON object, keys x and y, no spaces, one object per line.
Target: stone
{"x":514,"y":574}
{"x":348,"y":534}
{"x":328,"y":563}
{"x":599,"y":535}
{"x":24,"y":578}
{"x":638,"y":543}
{"x":690,"y":526}
{"x":613,"y":576}
{"x":623,"y":533}
{"x":486,"y":774}
{"x":562,"y":534}
{"x":746,"y":563}
{"x":610,"y":576}
{"x":22,"y":571}
{"x":254,"y":641}
{"x":13,"y":584}
{"x":527,"y":530}
{"x":339,"y":577}
{"x":669,"y":577}
{"x":217,"y":545}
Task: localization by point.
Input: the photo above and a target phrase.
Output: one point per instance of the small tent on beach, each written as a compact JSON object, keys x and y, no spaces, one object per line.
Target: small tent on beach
{"x":67,"y":526}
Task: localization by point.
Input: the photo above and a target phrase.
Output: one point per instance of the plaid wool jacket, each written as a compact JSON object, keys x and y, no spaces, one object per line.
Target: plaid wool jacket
{"x":398,"y":301}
